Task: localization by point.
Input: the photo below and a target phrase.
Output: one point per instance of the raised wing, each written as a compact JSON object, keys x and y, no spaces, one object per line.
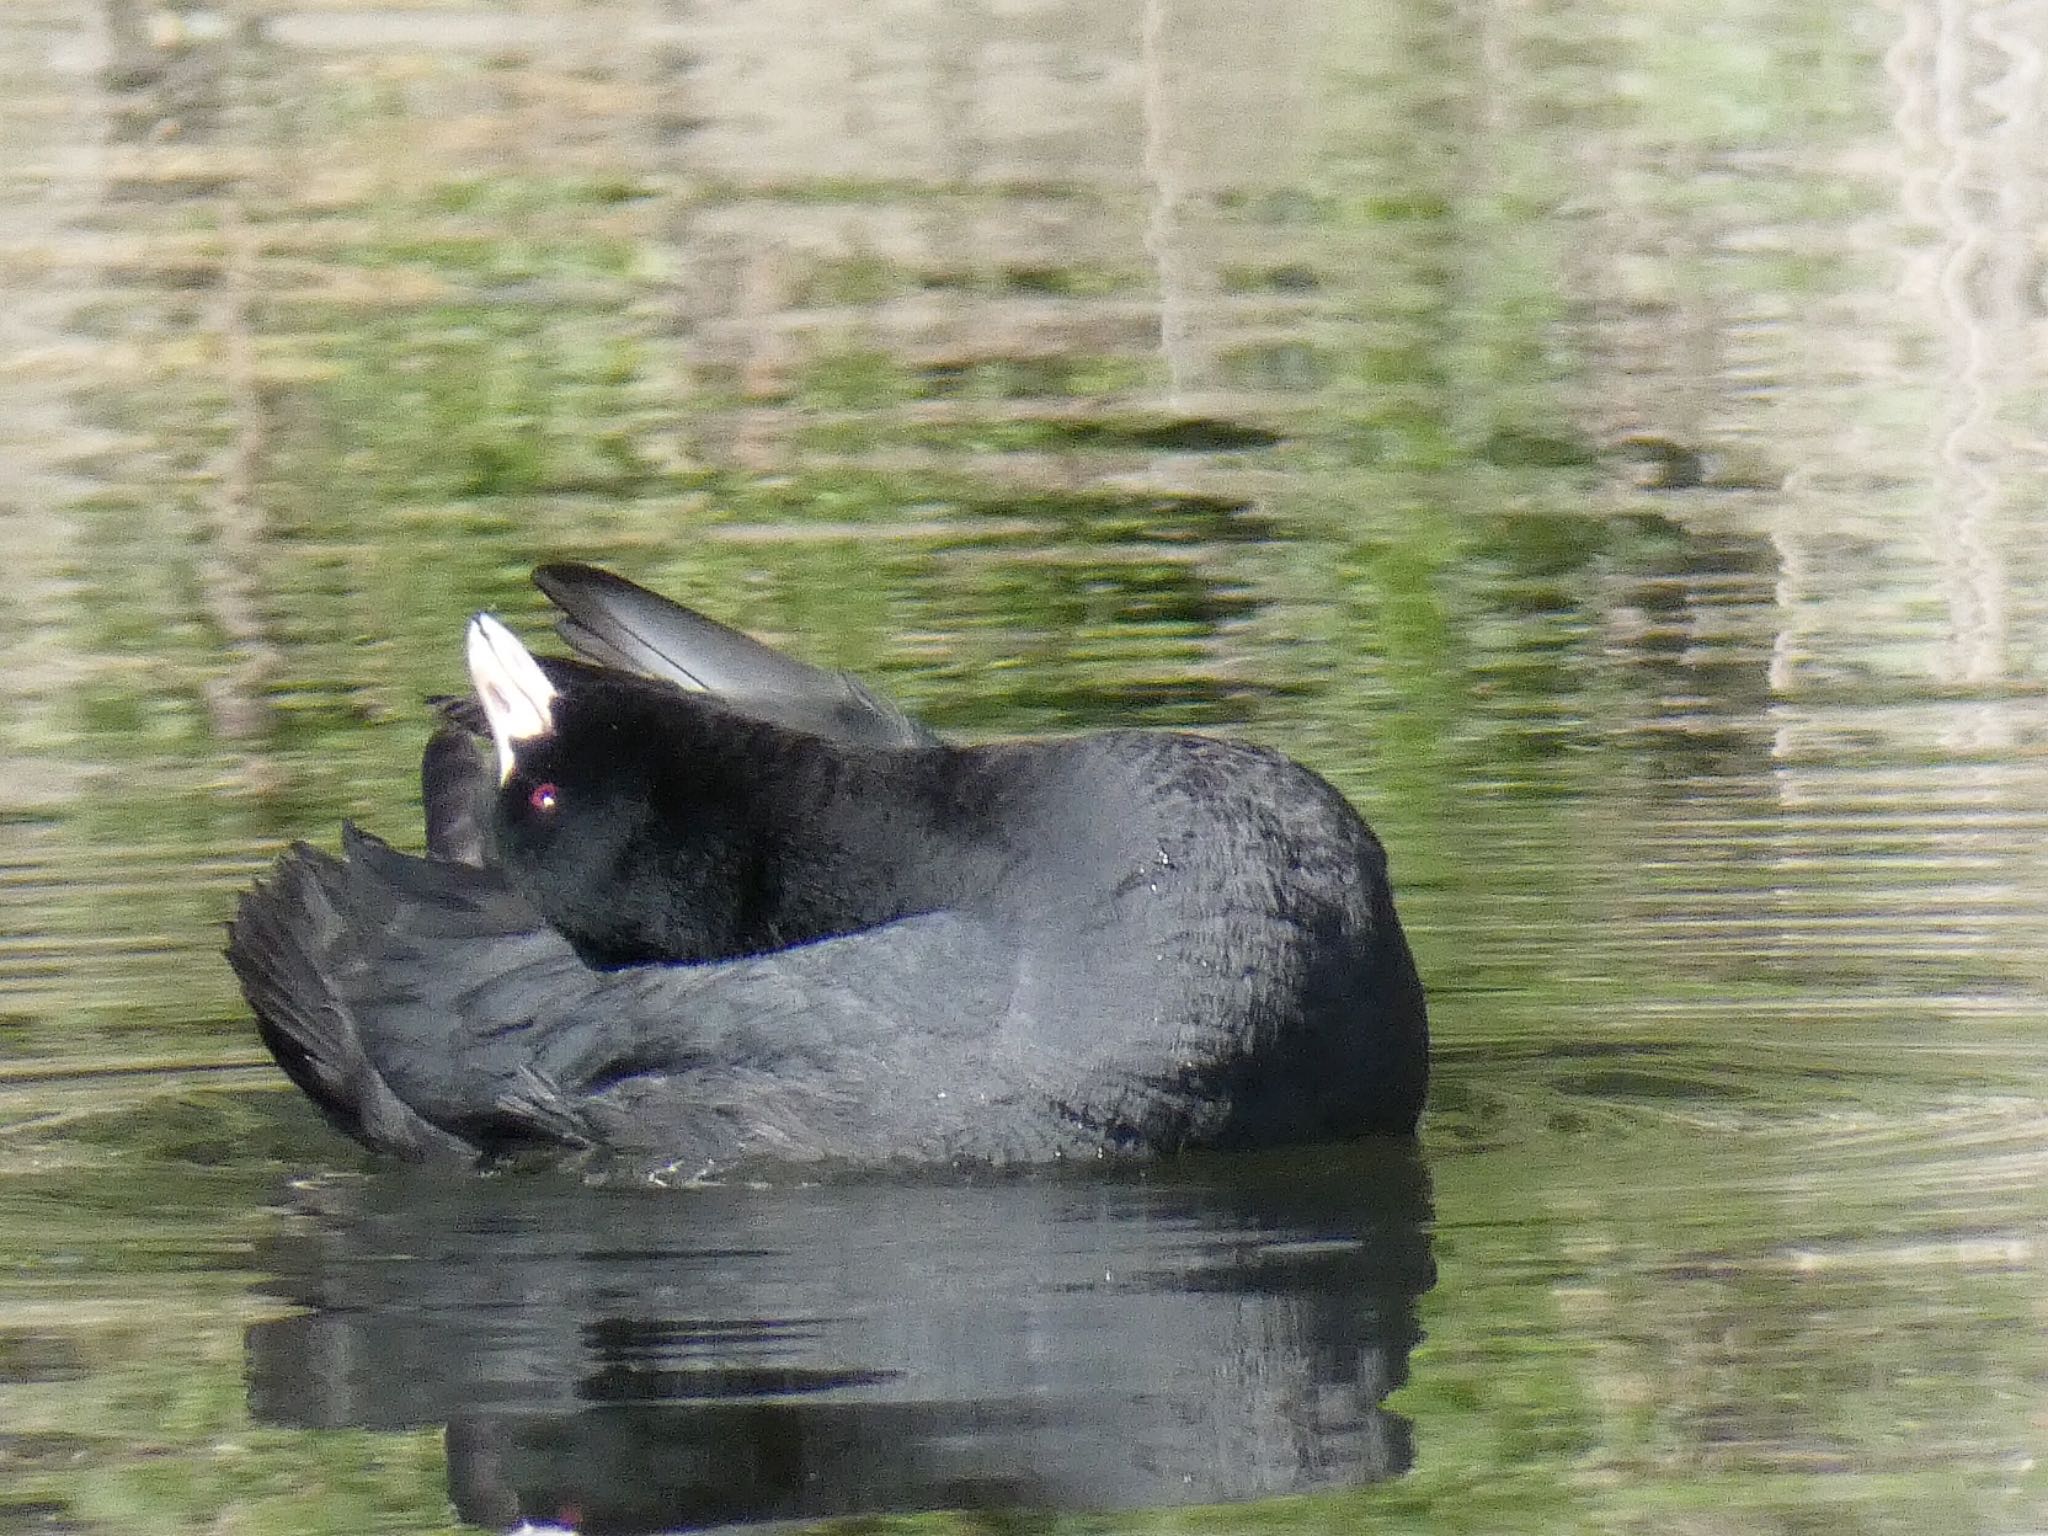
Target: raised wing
{"x":613,"y":622}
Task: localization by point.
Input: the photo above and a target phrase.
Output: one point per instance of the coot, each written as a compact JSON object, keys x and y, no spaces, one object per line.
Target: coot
{"x":687,"y":897}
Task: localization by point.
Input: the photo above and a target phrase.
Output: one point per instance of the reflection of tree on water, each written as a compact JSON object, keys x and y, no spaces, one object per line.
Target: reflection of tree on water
{"x":1971,"y":125}
{"x":655,"y":1359}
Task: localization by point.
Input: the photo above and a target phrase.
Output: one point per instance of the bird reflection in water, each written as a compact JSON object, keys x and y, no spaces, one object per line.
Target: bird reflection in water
{"x":619,"y":1359}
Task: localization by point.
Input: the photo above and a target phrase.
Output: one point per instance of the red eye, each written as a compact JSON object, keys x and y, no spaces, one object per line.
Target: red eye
{"x":542,"y":798}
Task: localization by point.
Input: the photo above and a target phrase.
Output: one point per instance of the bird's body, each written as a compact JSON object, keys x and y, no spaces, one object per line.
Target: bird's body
{"x":715,"y":930}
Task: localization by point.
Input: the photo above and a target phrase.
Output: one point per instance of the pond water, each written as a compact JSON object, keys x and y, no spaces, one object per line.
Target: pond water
{"x":1602,"y":440}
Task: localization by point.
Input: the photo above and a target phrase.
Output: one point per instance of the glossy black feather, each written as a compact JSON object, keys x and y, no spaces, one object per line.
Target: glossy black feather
{"x":615,"y":624}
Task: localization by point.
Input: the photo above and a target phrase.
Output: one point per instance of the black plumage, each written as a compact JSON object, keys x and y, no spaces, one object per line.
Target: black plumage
{"x":720,"y":906}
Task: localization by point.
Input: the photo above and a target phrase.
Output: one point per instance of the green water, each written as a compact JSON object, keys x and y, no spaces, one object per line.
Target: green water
{"x":1602,"y":441}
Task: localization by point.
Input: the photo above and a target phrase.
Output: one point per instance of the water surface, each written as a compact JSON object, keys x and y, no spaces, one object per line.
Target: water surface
{"x":1603,"y":442}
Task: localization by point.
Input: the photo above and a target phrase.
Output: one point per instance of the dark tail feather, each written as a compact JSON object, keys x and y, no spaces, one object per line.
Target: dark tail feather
{"x":288,"y":938}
